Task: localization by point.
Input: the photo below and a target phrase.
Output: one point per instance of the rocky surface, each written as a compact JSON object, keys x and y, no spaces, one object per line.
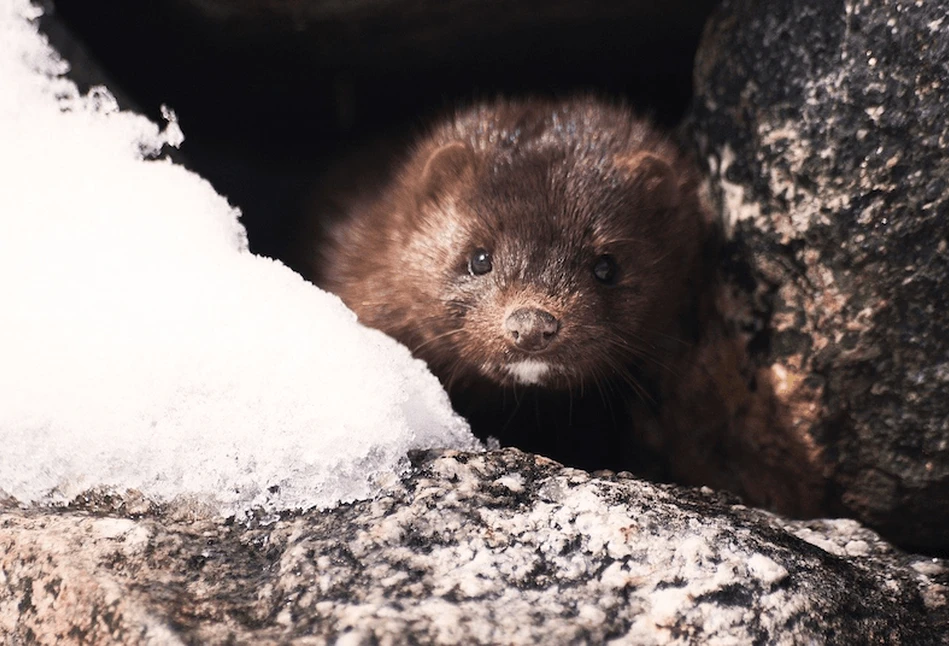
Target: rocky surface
{"x":825,"y":127}
{"x":501,"y":547}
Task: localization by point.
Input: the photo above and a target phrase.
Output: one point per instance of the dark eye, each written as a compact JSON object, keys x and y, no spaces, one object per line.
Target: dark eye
{"x":479,"y":262}
{"x":605,"y":269}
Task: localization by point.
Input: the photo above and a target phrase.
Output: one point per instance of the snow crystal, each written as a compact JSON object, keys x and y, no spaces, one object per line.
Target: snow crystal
{"x":142,"y":346}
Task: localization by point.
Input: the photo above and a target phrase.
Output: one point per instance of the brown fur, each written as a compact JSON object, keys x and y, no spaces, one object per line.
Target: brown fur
{"x":547,"y":188}
{"x":643,"y":375}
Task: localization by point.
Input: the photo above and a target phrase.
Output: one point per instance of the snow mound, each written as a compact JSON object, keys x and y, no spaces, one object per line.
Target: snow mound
{"x":142,"y":346}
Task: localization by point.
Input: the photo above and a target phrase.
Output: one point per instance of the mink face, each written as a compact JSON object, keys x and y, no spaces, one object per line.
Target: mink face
{"x":534,"y":244}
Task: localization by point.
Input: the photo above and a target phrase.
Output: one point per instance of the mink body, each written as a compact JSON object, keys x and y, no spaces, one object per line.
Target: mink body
{"x":542,"y":257}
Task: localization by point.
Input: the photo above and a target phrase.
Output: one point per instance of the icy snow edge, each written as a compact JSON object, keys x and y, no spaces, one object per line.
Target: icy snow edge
{"x":142,"y":346}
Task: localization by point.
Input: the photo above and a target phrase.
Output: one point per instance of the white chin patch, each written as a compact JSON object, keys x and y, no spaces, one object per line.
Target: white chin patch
{"x":528,"y":372}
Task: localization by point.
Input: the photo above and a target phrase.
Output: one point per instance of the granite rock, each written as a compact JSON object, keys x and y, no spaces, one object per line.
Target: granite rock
{"x":825,"y":127}
{"x":502,"y":547}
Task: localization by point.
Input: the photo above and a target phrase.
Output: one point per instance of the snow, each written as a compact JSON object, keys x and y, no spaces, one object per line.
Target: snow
{"x":143,"y":347}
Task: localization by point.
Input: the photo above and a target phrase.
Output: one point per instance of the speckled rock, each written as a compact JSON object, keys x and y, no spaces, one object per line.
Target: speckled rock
{"x":825,"y":126}
{"x":501,"y":547}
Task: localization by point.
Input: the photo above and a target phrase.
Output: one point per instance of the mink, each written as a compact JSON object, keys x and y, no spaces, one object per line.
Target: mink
{"x":543,"y":257}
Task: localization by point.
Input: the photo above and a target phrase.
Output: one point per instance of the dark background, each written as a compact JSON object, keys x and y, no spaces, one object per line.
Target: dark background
{"x":270,"y":92}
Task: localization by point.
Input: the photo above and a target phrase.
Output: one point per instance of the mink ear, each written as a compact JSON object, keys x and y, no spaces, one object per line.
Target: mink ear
{"x":654,"y":177}
{"x":447,"y":167}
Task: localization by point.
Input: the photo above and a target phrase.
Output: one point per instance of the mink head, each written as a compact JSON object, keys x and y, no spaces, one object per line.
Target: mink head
{"x":543,"y":244}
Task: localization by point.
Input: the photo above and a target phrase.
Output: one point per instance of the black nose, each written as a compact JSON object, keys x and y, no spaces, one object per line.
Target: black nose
{"x":531,"y":329}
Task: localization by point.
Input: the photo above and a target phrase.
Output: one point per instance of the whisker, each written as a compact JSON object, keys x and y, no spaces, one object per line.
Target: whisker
{"x":630,"y":349}
{"x":669,"y":337}
{"x":608,"y":403}
{"x":626,"y":377}
{"x":453,"y":373}
{"x":517,"y":407}
{"x":436,"y":338}
{"x":653,"y":359}
{"x":642,"y":352}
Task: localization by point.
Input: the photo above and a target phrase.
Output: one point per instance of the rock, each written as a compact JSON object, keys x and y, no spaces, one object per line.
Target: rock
{"x":825,"y":127}
{"x":502,"y":547}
